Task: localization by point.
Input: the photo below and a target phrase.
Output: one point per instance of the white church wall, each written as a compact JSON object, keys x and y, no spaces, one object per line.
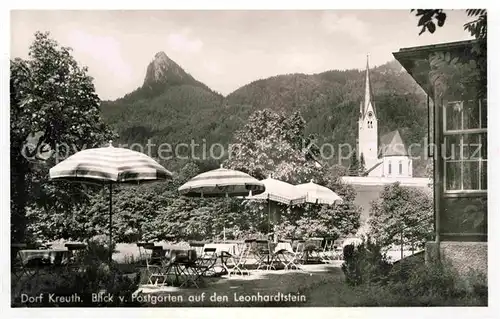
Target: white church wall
{"x":397,"y":166}
{"x":373,"y":180}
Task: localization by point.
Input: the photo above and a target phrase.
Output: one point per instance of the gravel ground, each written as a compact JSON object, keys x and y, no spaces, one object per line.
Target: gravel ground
{"x":275,"y":288}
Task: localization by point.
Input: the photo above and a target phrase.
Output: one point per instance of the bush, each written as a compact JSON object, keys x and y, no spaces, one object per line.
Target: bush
{"x":93,"y":275}
{"x":365,"y":263}
{"x":412,"y":282}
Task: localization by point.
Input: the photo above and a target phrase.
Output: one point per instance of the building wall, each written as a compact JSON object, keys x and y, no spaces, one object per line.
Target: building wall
{"x":372,"y":180}
{"x":393,"y":162}
{"x":463,"y":256}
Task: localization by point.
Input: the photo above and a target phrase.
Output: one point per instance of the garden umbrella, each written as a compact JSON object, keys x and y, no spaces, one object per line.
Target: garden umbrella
{"x":280,"y":192}
{"x":107,"y":166}
{"x":317,"y":194}
{"x":222,"y":182}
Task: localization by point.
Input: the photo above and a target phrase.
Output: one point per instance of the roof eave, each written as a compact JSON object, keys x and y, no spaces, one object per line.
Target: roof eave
{"x":411,"y":56}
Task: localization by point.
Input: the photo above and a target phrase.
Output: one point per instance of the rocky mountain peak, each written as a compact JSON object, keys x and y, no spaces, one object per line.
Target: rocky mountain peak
{"x":162,"y":70}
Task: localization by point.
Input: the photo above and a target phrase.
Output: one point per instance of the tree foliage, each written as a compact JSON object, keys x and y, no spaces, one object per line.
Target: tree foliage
{"x":273,"y":144}
{"x":354,"y":165}
{"x":429,"y":18}
{"x":477,"y":63}
{"x":405,"y":210}
{"x":362,"y":167}
{"x":54,"y":99}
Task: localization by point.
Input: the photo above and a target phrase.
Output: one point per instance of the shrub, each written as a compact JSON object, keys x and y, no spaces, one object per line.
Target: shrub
{"x":417,"y":283}
{"x":93,"y":275}
{"x":365,"y":263}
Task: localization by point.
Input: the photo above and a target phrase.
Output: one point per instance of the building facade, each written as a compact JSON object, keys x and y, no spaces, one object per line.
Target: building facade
{"x":450,"y":74}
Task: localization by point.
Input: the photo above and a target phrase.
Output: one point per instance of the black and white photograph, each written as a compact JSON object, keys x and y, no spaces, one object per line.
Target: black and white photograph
{"x":248,"y":158}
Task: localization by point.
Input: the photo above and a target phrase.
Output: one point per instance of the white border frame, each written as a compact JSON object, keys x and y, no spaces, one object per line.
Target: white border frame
{"x":417,"y":312}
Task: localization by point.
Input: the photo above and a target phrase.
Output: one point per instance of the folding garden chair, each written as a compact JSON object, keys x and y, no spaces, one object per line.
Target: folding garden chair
{"x":327,"y":255}
{"x":156,"y":265}
{"x":16,"y":263}
{"x":76,"y":253}
{"x":338,"y":246}
{"x":263,"y":254}
{"x":188,"y":268}
{"x":295,"y":258}
{"x":236,"y":263}
{"x":198,"y":246}
{"x":280,"y":256}
{"x":206,"y":261}
{"x":312,"y":249}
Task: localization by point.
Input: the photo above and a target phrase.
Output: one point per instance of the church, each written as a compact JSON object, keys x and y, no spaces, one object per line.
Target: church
{"x":392,"y":160}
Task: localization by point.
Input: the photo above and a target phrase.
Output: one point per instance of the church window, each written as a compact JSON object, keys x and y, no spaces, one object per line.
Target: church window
{"x":389,"y":168}
{"x":400,"y":168}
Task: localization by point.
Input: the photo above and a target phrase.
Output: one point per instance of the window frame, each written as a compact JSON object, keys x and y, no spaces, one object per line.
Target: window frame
{"x":460,"y":133}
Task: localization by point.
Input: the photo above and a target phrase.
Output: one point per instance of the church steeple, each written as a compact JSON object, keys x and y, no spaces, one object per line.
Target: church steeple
{"x":368,"y":101}
{"x":368,"y":124}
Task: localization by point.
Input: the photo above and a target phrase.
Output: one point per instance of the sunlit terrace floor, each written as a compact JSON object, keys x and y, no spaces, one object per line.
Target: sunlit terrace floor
{"x":258,"y":288}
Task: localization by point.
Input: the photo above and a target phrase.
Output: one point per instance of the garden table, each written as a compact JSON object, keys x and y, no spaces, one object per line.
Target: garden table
{"x":283,"y":246}
{"x":46,"y":256}
{"x":231,"y":248}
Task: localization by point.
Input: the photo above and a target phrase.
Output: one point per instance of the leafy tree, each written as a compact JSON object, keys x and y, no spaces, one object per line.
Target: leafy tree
{"x":402,"y":210}
{"x":272,"y":143}
{"x":362,"y":168}
{"x":477,"y":28}
{"x":430,"y":17}
{"x":354,"y":166}
{"x":54,"y":97}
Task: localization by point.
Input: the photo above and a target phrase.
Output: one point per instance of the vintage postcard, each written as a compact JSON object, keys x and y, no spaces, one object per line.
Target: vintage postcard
{"x":248,"y":158}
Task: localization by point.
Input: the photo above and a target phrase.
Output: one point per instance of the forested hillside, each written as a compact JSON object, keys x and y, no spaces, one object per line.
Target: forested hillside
{"x":172,"y":107}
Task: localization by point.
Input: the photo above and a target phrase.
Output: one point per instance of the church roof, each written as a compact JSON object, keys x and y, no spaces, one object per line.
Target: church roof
{"x":393,"y":145}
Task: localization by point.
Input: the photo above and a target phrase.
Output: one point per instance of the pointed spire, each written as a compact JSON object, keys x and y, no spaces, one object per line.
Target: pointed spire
{"x":368,"y":90}
{"x":367,"y":83}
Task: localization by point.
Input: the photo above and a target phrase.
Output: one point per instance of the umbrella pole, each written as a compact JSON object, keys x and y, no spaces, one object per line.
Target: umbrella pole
{"x":110,"y":222}
{"x":228,"y":203}
{"x":268,"y":216}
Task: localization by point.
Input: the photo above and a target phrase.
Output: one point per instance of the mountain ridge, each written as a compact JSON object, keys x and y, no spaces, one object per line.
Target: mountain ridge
{"x":172,"y":106}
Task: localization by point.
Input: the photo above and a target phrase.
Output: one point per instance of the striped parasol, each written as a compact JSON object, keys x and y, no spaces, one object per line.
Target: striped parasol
{"x":106,"y":166}
{"x":221,"y":182}
{"x":281,"y":192}
{"x":318,"y":194}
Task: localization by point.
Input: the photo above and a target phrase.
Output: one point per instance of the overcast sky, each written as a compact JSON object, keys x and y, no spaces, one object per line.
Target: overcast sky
{"x":226,"y":49}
